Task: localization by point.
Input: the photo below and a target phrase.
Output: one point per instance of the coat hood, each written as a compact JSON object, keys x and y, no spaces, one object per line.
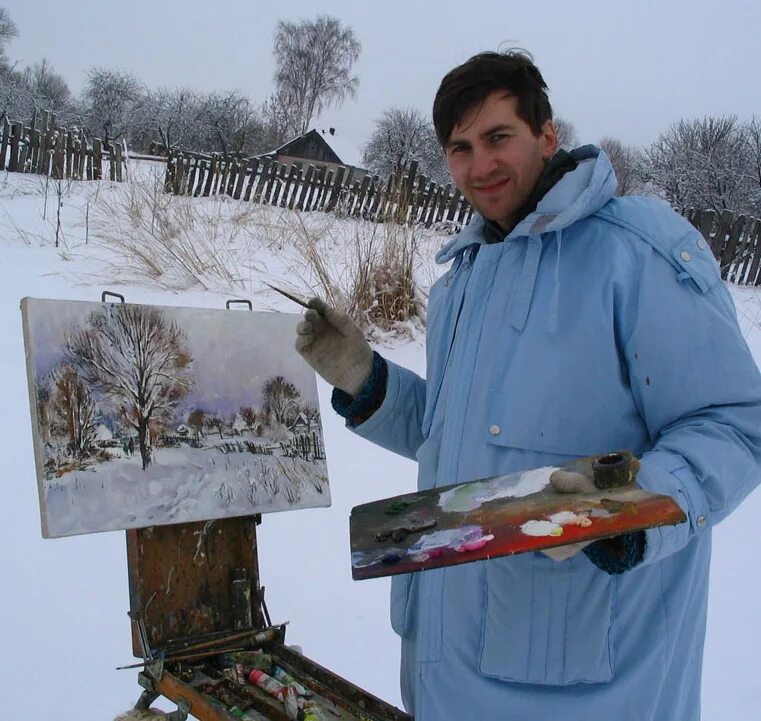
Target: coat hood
{"x":578,"y":194}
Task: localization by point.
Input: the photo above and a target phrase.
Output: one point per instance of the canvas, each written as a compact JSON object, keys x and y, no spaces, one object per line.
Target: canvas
{"x":146,"y":415}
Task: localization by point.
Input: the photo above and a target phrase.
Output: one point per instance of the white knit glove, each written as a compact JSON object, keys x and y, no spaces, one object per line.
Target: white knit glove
{"x":332,"y":343}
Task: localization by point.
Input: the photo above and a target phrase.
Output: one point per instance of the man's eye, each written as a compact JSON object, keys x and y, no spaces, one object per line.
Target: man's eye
{"x":497,"y":137}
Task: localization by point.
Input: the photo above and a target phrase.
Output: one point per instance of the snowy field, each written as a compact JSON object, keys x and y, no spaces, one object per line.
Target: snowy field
{"x":63,"y":621}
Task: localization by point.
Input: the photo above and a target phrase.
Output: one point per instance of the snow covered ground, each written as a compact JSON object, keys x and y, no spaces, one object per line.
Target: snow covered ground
{"x":63,"y":602}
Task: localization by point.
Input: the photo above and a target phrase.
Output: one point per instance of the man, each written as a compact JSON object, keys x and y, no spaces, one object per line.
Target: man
{"x":570,"y":323}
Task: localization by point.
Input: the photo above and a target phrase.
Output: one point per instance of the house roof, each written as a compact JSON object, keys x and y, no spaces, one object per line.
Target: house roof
{"x":342,"y":147}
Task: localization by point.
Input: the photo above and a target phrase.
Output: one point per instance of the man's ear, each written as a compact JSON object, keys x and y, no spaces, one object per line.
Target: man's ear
{"x":548,"y":139}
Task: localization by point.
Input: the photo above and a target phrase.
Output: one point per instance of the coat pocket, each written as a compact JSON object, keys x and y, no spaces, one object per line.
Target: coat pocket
{"x":400,"y":604}
{"x":545,"y":622}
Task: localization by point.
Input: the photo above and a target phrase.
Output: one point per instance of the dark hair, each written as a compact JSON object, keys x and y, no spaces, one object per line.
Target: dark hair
{"x":469,"y":84}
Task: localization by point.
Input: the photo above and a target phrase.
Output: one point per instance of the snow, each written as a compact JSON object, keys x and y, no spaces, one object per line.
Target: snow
{"x":63,"y":621}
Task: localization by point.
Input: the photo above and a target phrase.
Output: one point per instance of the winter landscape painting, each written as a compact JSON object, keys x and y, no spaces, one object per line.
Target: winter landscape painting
{"x":145,"y":415}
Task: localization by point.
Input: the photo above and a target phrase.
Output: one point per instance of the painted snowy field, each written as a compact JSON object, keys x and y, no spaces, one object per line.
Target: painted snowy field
{"x":63,"y":602}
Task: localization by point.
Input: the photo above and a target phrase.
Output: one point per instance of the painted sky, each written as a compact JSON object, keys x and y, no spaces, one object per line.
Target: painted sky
{"x":614,"y":68}
{"x":234,"y":352}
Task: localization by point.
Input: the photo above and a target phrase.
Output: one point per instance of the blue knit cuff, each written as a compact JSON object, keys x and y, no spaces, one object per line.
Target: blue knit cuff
{"x":357,"y":409}
{"x":617,"y":555}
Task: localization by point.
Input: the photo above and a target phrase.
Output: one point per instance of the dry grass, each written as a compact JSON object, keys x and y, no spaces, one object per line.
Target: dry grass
{"x":368,"y":274}
{"x":172,"y":242}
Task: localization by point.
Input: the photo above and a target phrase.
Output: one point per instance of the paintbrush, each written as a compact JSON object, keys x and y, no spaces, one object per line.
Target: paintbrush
{"x":288,"y":295}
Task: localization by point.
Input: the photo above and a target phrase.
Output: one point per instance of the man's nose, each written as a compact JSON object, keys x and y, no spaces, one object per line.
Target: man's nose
{"x":484,"y":163}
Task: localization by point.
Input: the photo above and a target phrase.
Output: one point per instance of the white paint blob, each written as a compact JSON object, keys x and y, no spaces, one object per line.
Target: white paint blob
{"x":470,"y":496}
{"x":541,"y":528}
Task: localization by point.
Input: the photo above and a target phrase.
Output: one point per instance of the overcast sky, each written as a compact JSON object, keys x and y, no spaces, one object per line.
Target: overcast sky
{"x":627,"y":69}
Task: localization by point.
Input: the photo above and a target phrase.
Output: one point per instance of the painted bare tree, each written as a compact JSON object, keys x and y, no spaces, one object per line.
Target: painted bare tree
{"x":73,"y":403}
{"x":196,"y":421}
{"x":134,"y":355}
{"x":248,"y":414}
{"x":313,"y":60}
{"x":311,"y":414}
{"x":280,"y":399}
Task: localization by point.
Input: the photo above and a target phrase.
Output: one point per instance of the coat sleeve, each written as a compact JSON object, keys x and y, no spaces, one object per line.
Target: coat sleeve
{"x":698,"y":389}
{"x":396,"y":425}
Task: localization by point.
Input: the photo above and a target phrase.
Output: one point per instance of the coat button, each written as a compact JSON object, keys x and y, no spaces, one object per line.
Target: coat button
{"x":685,"y":256}
{"x":701,"y":244}
{"x":495,"y":430}
{"x":701,"y":521}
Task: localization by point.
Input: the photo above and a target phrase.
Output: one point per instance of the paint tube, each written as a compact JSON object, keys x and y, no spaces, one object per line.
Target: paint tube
{"x":284,"y":677}
{"x":277,"y":690}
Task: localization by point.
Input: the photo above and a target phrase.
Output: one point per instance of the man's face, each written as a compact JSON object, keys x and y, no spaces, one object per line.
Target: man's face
{"x":495,"y":159}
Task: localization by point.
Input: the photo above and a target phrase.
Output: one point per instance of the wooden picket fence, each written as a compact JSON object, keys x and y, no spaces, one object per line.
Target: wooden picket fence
{"x":409,"y":197}
{"x":735,"y":240}
{"x":43,"y":148}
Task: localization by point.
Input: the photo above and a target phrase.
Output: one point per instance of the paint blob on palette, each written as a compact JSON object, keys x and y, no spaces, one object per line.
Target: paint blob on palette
{"x":492,"y":517}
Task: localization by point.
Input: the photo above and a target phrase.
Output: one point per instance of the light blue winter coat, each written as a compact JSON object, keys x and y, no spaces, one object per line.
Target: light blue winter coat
{"x":600,"y":323}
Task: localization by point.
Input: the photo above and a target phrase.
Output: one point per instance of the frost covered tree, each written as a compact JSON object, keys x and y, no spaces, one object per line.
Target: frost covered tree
{"x":402,"y":135}
{"x":228,"y":123}
{"x":752,"y":133}
{"x":74,"y":405}
{"x":314,"y":60}
{"x":109,"y":99}
{"x":138,"y":358}
{"x":280,"y":399}
{"x":567,"y":137}
{"x":704,"y":163}
{"x":627,"y":163}
{"x":168,"y":117}
{"x":8,"y":31}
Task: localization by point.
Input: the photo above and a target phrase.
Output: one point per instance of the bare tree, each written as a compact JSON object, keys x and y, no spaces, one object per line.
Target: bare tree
{"x":74,"y":405}
{"x":567,"y":137}
{"x":137,"y":357}
{"x":278,"y":113}
{"x":280,"y":399}
{"x":314,"y":59}
{"x":8,"y":31}
{"x":46,"y":84}
{"x":400,"y":136}
{"x":109,"y":97}
{"x":626,"y":162}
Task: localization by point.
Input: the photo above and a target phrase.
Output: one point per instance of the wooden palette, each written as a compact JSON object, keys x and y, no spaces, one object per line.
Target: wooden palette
{"x":492,"y":517}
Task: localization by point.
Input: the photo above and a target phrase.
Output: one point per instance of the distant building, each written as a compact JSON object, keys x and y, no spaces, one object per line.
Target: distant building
{"x":319,"y":148}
